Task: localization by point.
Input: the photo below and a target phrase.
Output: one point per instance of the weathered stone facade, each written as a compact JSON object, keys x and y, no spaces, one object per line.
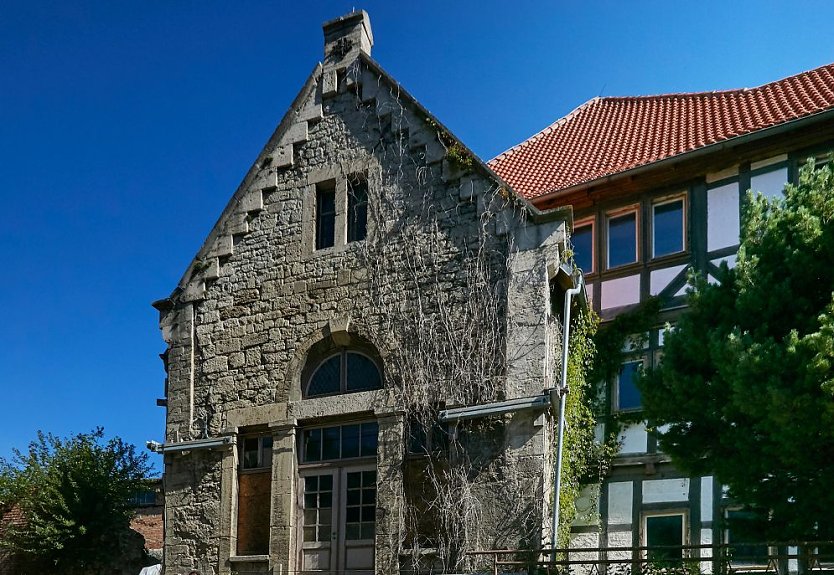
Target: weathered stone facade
{"x":448,"y":293}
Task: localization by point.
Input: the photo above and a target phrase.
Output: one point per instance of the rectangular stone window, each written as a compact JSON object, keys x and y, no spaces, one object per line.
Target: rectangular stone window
{"x":254,"y":501}
{"x":325,"y":215}
{"x":357,"y":202}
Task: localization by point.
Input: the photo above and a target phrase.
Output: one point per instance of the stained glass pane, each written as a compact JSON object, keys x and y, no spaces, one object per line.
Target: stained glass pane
{"x":326,"y":379}
{"x":362,"y":373}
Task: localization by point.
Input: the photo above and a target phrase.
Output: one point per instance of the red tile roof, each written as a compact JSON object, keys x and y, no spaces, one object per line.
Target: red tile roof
{"x":605,"y":136}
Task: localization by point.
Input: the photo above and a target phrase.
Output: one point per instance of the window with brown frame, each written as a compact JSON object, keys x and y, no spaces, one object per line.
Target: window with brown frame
{"x":621,"y":232}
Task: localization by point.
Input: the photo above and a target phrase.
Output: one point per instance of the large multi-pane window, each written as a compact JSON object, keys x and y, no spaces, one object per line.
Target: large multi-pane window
{"x":339,"y":442}
{"x":622,"y":239}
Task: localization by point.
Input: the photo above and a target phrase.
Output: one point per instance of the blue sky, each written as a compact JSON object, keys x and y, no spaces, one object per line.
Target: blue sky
{"x":126,"y":126}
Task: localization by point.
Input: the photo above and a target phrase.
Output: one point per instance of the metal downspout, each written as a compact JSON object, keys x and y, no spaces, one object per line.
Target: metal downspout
{"x":562,"y":391}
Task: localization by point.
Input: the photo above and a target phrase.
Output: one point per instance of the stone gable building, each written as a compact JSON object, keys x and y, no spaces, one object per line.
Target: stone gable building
{"x":361,"y":355}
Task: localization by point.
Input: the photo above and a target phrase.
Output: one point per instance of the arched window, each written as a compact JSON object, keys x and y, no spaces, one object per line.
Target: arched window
{"x":345,"y":371}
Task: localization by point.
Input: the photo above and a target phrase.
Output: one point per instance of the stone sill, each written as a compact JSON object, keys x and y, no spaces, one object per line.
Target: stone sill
{"x":249,"y":559}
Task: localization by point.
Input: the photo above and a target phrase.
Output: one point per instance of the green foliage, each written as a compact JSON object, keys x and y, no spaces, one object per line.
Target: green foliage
{"x":457,"y":155}
{"x":75,"y":497}
{"x":583,"y":457}
{"x":746,"y":381}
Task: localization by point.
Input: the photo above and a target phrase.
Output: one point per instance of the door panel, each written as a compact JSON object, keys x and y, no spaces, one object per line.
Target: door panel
{"x":318,"y":532}
{"x":359,"y":524}
{"x":338,"y":520}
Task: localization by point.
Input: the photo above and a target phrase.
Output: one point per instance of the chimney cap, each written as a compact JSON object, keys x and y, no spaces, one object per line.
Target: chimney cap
{"x":347,"y":33}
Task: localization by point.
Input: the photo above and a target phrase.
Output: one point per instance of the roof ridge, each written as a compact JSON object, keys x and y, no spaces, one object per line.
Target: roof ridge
{"x":609,"y":135}
{"x":727,"y":91}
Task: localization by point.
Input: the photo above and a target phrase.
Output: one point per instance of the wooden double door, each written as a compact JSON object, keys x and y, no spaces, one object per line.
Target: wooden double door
{"x":338,"y":520}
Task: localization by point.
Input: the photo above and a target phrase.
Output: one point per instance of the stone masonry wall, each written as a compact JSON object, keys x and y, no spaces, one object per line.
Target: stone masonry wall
{"x":261,"y":296}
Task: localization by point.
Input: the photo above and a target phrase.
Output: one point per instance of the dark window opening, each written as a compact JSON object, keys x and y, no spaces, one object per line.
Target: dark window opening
{"x":254,"y":494}
{"x":357,"y":222}
{"x":339,"y":442}
{"x":583,"y":247}
{"x":664,"y":538}
{"x":325,"y":215}
{"x":360,"y":505}
{"x":422,"y":441}
{"x":622,"y":239}
{"x":668,"y":228}
{"x":628,"y":396}
{"x":344,"y":372}
{"x":744,"y":529}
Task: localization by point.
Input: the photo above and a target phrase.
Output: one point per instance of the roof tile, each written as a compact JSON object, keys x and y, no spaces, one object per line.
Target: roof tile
{"x":605,"y":136}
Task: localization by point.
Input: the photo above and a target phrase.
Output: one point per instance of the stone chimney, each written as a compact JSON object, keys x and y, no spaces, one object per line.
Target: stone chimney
{"x":346,"y":36}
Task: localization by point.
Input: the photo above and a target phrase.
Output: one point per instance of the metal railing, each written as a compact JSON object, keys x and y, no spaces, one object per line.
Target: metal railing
{"x":779,"y":558}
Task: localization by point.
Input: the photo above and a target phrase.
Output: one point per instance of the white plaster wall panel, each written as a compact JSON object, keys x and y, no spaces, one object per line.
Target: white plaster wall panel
{"x":731,"y":263}
{"x":584,"y":541}
{"x":620,"y":495}
{"x":634,"y":439}
{"x":771,"y":184}
{"x":621,"y":291}
{"x":706,"y":498}
{"x":793,"y":564}
{"x":660,"y":278}
{"x":620,"y":539}
{"x":706,"y":553}
{"x":665,"y":490}
{"x":722,"y":216}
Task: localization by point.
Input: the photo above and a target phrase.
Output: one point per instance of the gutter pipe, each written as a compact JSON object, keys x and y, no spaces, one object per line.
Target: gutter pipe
{"x":182,"y":446}
{"x":562,"y":392}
